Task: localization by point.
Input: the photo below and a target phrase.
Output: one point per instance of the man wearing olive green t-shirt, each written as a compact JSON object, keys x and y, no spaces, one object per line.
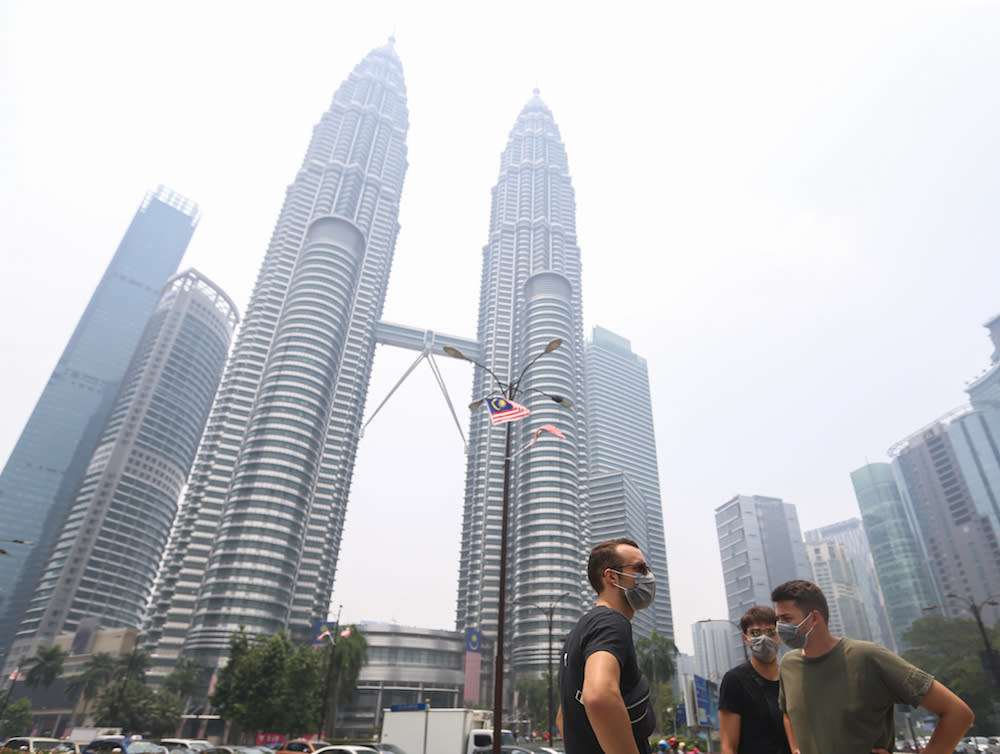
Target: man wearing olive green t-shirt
{"x":837,"y":695}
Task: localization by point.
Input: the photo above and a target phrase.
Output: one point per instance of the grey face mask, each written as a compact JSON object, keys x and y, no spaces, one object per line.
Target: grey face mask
{"x":641,"y":595}
{"x":789,"y":633}
{"x":764,"y":648}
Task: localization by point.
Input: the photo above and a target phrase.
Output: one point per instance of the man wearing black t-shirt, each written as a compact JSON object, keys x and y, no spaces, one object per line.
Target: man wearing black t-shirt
{"x":604,"y":696}
{"x":750,"y":721}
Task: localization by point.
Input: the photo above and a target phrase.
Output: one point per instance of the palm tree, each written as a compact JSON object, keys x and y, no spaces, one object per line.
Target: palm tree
{"x":133,"y":666}
{"x":186,"y":680}
{"x":97,"y":673}
{"x":345,"y":659}
{"x":44,"y":668}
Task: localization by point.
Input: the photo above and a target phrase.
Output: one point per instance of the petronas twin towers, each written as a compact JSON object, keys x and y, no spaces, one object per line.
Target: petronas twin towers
{"x":258,"y":534}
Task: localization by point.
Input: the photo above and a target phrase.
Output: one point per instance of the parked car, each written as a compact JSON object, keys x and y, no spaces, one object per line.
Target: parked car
{"x":385,"y":748}
{"x":29,"y":743}
{"x":123,"y":745}
{"x":302,"y":746}
{"x":346,"y":749}
{"x":196,"y":744}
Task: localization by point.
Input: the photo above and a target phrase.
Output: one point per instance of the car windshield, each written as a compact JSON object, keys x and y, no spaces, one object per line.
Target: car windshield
{"x":144,"y":747}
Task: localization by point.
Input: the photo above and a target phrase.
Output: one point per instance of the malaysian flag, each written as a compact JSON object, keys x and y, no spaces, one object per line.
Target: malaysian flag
{"x":503,"y":410}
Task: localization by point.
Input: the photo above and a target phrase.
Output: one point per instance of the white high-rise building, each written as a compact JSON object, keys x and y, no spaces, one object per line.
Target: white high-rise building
{"x":530,"y":294}
{"x":761,"y":546}
{"x":258,"y":535}
{"x":833,"y":572}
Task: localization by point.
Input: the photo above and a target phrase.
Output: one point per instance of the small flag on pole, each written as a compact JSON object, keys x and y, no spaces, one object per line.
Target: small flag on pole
{"x":548,"y":428}
{"x":503,"y":410}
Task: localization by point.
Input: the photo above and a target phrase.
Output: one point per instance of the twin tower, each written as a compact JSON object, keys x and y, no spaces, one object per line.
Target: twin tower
{"x":257,"y":536}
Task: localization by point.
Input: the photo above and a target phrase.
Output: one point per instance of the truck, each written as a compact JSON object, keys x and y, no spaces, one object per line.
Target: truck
{"x":419,"y":729}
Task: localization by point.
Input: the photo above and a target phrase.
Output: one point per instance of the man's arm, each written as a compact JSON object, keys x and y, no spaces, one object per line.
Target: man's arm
{"x":792,"y":744}
{"x":729,"y":730}
{"x":954,"y":718}
{"x":602,"y":700}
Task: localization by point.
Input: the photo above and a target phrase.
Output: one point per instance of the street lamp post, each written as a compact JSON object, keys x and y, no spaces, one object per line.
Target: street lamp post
{"x":549,"y":611}
{"x":976,"y":609}
{"x":509,"y":391}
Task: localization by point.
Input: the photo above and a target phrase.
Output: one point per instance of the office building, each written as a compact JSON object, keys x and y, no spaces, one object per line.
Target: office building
{"x":105,"y":559}
{"x":406,"y":665}
{"x":717,"y":647}
{"x":903,"y":574}
{"x":937,"y":469}
{"x":984,"y":390}
{"x":44,"y":470}
{"x":833,"y":572}
{"x":851,"y":534}
{"x":761,"y":546}
{"x":622,"y":446}
{"x":530,"y":294}
{"x":258,"y":533}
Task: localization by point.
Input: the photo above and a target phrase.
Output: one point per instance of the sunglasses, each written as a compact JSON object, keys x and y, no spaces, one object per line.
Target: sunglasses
{"x":642,"y":568}
{"x":753,"y":633}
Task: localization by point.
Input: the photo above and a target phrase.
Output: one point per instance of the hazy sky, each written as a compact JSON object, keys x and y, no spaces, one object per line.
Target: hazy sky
{"x":789,"y":210}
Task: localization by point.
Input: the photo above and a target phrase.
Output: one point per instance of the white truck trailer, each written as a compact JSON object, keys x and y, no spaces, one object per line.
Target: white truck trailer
{"x":439,"y":731}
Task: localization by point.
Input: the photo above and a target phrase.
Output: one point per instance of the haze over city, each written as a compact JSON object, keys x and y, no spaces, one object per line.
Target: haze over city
{"x":788,"y":213}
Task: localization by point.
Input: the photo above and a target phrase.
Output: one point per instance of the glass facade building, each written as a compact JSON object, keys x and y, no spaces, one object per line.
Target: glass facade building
{"x":258,"y":533}
{"x":851,"y":534}
{"x":622,"y":448}
{"x":530,"y":294}
{"x":105,"y":559}
{"x":902,"y":570}
{"x":44,"y":470}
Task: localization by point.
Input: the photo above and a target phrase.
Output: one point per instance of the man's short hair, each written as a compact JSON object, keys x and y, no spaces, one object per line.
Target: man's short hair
{"x":758,"y":614}
{"x":605,"y":555}
{"x":805,"y":594}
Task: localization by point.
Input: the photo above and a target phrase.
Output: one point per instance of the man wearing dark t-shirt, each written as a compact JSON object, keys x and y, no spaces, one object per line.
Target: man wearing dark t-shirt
{"x":749,"y":719}
{"x":604,"y":697}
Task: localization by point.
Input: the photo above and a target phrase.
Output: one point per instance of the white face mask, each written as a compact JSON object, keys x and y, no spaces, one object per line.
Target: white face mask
{"x":640,"y":596}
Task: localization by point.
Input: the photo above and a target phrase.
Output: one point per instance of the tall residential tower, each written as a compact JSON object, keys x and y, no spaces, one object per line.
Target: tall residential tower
{"x":51,"y":455}
{"x":258,"y":534}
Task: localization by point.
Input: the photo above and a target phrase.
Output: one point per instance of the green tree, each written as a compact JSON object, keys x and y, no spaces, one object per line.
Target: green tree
{"x":44,"y":667}
{"x":17,"y":719}
{"x":348,"y":656}
{"x":186,"y":680}
{"x":948,"y":649}
{"x":133,"y":666}
{"x":134,"y":706}
{"x":533,"y":701}
{"x":268,"y":684}
{"x":656,"y":654}
{"x":97,"y":673}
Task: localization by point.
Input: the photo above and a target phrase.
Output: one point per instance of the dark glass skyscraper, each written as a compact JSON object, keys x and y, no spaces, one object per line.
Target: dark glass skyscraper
{"x":105,"y":559}
{"x":530,"y":294}
{"x":258,"y":534}
{"x":43,"y":471}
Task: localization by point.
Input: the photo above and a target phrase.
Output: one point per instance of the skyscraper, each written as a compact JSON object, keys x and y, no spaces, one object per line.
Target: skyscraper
{"x":851,"y":534}
{"x":43,"y":471}
{"x":530,"y":294}
{"x":105,"y":558}
{"x":761,"y":546}
{"x":258,"y":534}
{"x":937,"y":468}
{"x":902,"y":571}
{"x":622,"y":446}
{"x":833,"y":572}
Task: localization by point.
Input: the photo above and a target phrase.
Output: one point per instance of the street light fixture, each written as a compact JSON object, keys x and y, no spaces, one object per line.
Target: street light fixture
{"x":509,"y":391}
{"x":976,"y":609}
{"x":549,"y":611}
